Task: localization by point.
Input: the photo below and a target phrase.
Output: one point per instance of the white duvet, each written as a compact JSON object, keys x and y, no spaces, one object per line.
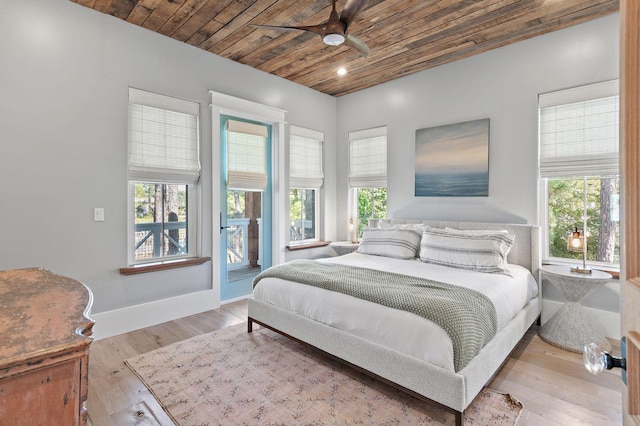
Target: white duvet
{"x":399,"y":330}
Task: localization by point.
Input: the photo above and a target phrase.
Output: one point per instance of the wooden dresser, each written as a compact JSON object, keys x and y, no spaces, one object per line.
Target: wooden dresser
{"x":44,"y":348}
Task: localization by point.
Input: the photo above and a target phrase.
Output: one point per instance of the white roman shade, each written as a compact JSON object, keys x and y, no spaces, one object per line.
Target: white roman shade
{"x":246,"y":156}
{"x":163,"y":138}
{"x":305,"y":158}
{"x":579,"y":131}
{"x":368,"y":158}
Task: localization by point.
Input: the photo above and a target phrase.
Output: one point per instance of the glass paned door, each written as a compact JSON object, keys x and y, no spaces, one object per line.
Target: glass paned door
{"x":245,"y":223}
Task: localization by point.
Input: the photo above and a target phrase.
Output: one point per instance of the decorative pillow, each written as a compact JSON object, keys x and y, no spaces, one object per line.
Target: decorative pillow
{"x":476,"y":252}
{"x":412,"y":226}
{"x":390,"y":242}
{"x":476,"y":231}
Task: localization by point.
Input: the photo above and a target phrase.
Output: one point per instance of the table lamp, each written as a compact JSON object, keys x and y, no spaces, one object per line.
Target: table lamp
{"x":578,"y":242}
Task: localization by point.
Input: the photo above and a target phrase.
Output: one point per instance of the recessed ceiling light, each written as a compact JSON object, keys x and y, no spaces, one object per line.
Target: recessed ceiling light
{"x":342,"y":71}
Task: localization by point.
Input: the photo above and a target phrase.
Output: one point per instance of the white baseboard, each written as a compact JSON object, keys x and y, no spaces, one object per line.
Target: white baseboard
{"x":610,"y":321}
{"x":237,"y":299}
{"x":118,"y":321}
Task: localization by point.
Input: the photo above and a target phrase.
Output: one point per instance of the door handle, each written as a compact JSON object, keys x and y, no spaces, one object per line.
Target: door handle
{"x":595,"y":360}
{"x":222,"y":227}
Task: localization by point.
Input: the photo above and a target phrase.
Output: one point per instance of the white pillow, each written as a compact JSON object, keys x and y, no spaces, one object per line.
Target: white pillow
{"x":390,"y":242}
{"x":482,"y":253}
{"x":412,"y":226}
{"x":476,"y":231}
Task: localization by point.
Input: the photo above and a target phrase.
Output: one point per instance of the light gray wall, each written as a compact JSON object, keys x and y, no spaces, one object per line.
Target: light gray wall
{"x":502,"y":85}
{"x":65,"y":75}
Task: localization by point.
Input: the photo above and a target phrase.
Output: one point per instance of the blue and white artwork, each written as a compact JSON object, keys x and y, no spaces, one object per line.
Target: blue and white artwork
{"x":453,"y":160}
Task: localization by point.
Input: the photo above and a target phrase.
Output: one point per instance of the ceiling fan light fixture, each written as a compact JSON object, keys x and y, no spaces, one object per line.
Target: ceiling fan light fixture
{"x":334,"y":30}
{"x":333,"y":39}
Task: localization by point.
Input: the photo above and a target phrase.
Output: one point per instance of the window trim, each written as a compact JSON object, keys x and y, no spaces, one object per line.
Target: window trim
{"x":558,"y":98}
{"x":314,"y":182}
{"x":163,"y":265}
{"x":221,"y":105}
{"x":365,"y":180}
{"x":167,"y":175}
{"x":310,"y":245}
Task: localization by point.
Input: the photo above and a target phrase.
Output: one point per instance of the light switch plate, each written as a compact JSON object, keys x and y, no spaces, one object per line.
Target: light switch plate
{"x":98,"y":214}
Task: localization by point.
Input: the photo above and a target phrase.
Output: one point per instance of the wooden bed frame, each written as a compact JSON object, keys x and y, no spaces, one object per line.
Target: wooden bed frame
{"x":453,"y":390}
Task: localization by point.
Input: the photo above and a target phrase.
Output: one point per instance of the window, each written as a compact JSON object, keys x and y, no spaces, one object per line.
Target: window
{"x":371,"y":204}
{"x":368,"y":175}
{"x":306,"y":177}
{"x":163,"y":171}
{"x":302,"y":214}
{"x":579,"y":172}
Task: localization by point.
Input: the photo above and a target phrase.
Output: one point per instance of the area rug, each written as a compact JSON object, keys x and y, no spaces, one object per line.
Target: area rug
{"x":231,"y":377}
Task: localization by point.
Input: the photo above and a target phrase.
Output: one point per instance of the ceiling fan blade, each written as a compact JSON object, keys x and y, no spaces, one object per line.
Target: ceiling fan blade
{"x":357,"y":45}
{"x":318,"y":29}
{"x":351,"y":10}
{"x":273,"y":27}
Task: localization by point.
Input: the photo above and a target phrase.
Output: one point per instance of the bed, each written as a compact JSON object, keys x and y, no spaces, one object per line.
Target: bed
{"x":406,"y":349}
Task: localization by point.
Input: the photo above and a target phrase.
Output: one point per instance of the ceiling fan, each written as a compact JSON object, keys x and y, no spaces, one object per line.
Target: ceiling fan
{"x":334,"y":32}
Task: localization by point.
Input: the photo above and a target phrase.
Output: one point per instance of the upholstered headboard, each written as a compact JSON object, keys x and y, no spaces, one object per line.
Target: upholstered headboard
{"x":526,"y":248}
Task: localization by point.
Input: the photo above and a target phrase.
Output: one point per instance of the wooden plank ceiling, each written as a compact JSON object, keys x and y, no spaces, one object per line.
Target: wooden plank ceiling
{"x":405,"y":36}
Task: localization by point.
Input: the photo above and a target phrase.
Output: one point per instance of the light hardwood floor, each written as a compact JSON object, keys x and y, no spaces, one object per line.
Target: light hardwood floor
{"x":551,"y":383}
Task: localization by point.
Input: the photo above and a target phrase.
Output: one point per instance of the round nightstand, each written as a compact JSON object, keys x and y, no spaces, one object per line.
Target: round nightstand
{"x":571,"y":328}
{"x":344,"y":247}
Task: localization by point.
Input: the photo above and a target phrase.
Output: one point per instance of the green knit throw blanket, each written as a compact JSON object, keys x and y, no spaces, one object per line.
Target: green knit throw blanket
{"x":468,"y":316}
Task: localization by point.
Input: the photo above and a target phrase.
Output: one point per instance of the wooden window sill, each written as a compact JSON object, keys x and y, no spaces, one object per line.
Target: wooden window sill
{"x":308,"y":245}
{"x":162,"y":266}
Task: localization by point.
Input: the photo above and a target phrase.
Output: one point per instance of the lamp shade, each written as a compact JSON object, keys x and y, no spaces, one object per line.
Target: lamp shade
{"x":575,"y":241}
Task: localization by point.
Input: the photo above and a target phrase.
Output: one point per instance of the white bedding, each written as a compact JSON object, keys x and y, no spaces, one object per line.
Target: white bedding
{"x":399,"y":330}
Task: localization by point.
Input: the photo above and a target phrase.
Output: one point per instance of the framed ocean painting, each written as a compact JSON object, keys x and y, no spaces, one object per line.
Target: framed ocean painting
{"x":453,"y":160}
